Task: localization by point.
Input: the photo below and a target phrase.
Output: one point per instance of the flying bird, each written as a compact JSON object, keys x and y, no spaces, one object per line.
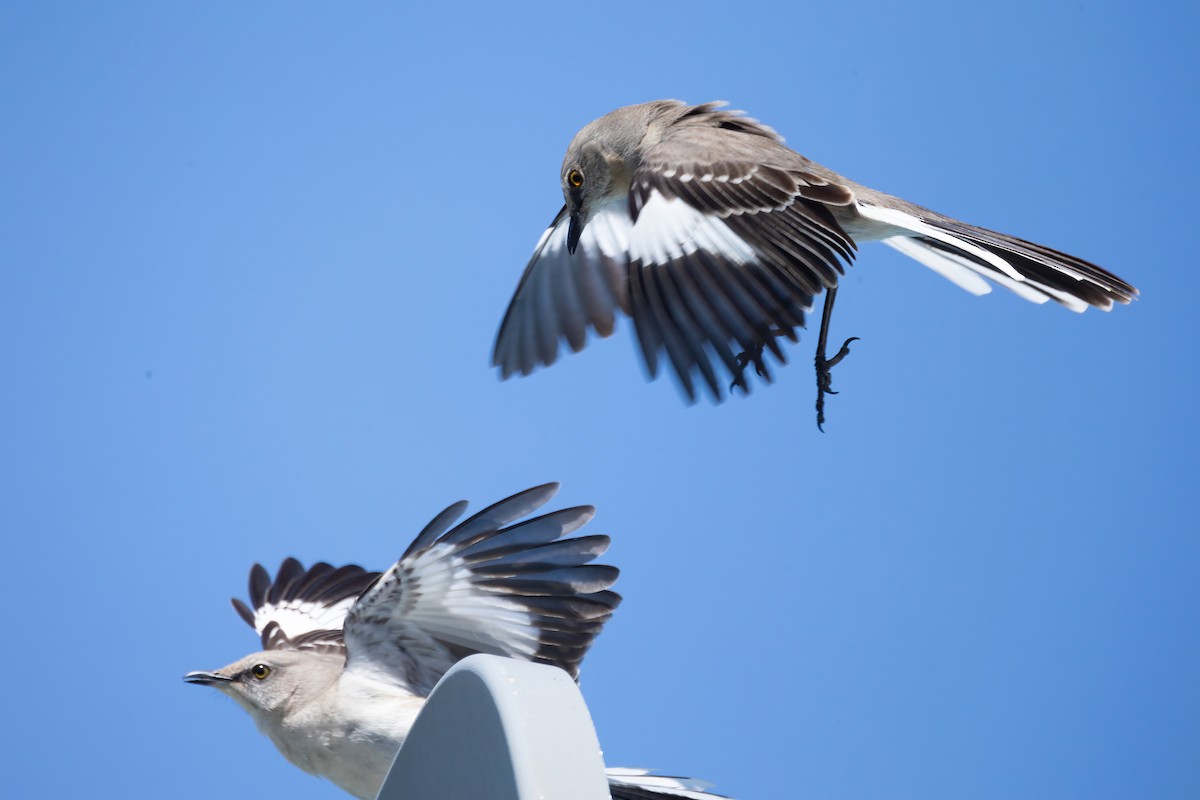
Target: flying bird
{"x":701,"y":225}
{"x":349,"y":656}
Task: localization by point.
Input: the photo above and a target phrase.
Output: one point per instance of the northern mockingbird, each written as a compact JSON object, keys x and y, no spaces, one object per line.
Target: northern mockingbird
{"x":349,"y":656}
{"x":712,"y":235}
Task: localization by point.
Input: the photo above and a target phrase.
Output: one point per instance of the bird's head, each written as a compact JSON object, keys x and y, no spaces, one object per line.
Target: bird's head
{"x":263,"y":683}
{"x":590,"y":180}
{"x":600,"y":163}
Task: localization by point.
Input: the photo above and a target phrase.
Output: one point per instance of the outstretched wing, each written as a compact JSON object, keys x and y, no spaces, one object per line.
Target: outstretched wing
{"x":302,"y":609}
{"x":486,"y":585}
{"x":722,"y":243}
{"x":734,"y":237}
{"x":563,"y":295}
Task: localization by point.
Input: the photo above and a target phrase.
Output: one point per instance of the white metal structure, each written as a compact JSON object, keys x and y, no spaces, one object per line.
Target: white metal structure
{"x":500,"y":729}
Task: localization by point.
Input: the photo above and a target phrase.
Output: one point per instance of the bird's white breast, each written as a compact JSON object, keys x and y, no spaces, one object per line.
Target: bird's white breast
{"x":353,"y":746}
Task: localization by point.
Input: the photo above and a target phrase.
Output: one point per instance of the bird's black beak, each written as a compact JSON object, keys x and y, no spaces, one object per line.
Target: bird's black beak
{"x":206,"y":678}
{"x":574,"y":231}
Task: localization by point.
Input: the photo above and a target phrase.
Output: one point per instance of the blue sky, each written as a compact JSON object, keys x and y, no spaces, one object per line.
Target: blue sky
{"x":253,"y":260}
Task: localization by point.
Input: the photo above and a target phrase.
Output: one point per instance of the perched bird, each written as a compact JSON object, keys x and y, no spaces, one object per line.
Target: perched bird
{"x":350,"y":656}
{"x":715,"y":237}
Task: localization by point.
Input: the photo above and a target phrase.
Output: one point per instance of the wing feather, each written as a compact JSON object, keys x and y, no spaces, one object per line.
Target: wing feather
{"x":302,"y":608}
{"x":725,"y":236}
{"x":490,"y":584}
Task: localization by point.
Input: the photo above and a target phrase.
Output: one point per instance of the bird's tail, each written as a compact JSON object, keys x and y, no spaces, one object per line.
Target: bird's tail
{"x":639,"y":784}
{"x":966,"y":255}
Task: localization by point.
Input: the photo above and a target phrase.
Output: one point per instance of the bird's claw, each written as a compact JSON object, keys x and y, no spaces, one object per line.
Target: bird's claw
{"x":825,"y":365}
{"x":745,"y":359}
{"x":825,"y":374}
{"x":842,"y":352}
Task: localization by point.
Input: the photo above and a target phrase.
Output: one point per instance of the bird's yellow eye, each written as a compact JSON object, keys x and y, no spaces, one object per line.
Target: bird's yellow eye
{"x":260,"y":671}
{"x":575,"y":178}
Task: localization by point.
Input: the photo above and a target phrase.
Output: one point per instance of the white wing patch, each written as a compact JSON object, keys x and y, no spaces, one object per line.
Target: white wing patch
{"x":490,"y":584}
{"x":448,"y":606}
{"x":670,"y":228}
{"x":606,"y":234}
{"x":298,"y":617}
{"x":609,"y":230}
{"x":562,"y":296}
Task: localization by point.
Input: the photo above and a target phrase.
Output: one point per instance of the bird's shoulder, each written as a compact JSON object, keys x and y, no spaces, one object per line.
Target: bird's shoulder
{"x":723,"y":171}
{"x":708,"y":134}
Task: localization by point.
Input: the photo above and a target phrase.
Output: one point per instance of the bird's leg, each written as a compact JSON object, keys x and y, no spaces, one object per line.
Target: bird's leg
{"x":825,"y":365}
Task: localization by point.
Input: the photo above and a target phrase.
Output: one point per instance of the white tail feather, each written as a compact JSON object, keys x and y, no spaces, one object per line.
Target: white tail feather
{"x":965,"y":273}
{"x":961,"y":276}
{"x":960,"y":270}
{"x":906,"y":221}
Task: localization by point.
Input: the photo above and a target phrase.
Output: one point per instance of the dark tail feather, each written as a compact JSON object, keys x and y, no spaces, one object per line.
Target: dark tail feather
{"x":1039,"y":265}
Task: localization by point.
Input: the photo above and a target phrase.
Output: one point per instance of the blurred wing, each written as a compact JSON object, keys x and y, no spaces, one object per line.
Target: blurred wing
{"x":485,"y":586}
{"x":733,"y":238}
{"x":724,"y":240}
{"x":302,"y":609}
{"x":562,"y":296}
{"x":639,"y":784}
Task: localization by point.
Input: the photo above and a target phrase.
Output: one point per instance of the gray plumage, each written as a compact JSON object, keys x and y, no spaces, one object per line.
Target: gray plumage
{"x":350,"y":655}
{"x":715,"y":237}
